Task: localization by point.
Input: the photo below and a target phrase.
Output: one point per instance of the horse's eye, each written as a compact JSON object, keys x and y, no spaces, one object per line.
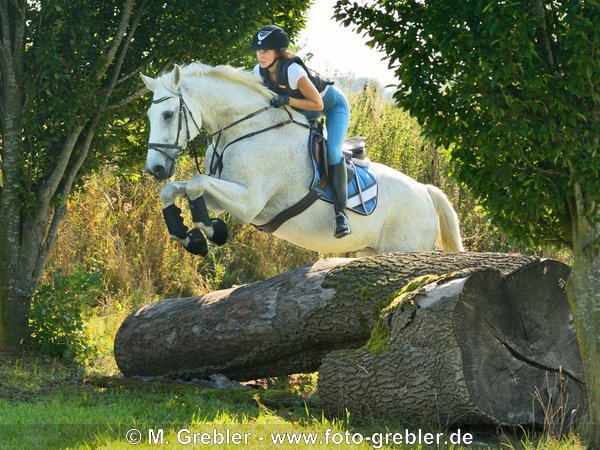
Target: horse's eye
{"x":168,"y":115}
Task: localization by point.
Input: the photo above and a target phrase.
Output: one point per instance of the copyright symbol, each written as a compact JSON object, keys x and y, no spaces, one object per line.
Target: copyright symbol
{"x":133,"y":436}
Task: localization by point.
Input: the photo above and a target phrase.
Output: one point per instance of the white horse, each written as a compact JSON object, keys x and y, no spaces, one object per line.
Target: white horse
{"x":266,"y":172}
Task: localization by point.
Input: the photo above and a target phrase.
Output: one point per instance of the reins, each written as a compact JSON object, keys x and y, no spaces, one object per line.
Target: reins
{"x":216,"y":162}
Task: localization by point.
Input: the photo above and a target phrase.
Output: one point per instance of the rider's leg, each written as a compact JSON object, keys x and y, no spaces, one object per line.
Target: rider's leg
{"x":337,"y":113}
{"x":339,"y":182}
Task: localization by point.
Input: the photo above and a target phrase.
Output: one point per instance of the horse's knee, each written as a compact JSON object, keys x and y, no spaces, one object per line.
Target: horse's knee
{"x":170,"y":192}
{"x":195,"y":187}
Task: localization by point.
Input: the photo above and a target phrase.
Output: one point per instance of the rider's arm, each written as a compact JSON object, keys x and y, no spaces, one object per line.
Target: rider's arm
{"x":312,"y":100}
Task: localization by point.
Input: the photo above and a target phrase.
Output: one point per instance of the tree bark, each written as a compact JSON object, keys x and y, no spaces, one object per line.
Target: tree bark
{"x":584,"y":299}
{"x":478,"y":349}
{"x":13,"y":292}
{"x":282,"y":325}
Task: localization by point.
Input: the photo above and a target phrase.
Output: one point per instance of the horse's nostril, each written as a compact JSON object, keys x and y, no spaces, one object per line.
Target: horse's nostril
{"x":159,"y":172}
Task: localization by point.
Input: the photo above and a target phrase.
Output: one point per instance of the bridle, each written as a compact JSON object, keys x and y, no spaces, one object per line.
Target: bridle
{"x":182,"y":114}
{"x":216,"y":163}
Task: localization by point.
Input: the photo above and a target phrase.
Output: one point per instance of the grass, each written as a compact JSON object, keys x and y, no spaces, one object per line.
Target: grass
{"x":45,"y":404}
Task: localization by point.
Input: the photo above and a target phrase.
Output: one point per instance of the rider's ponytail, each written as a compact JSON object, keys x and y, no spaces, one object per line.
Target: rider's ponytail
{"x":286,"y":53}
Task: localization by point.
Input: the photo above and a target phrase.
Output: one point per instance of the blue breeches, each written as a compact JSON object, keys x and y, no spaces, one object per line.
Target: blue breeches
{"x":337,"y":120}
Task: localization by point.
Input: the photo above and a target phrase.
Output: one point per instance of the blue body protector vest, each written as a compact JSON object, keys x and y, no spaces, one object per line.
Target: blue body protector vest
{"x":282,"y":84}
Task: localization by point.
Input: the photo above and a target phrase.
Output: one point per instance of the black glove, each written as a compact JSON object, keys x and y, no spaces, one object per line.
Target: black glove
{"x":280,"y":100}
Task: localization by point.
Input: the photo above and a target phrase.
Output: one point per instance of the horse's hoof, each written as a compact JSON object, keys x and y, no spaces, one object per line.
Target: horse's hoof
{"x":197,"y":244}
{"x":219,"y":236}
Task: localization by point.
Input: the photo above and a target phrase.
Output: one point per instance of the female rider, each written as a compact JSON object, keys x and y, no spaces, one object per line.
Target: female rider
{"x":313,"y":96}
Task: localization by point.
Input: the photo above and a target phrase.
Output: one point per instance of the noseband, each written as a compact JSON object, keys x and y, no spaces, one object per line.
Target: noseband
{"x":183,"y":114}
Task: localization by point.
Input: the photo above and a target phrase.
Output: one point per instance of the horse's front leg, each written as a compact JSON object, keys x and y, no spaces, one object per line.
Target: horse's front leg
{"x":171,"y":191}
{"x":238,"y":199}
{"x":192,"y":240}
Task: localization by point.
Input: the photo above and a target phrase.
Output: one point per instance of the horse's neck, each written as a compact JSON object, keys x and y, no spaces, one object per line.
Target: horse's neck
{"x":225,"y":102}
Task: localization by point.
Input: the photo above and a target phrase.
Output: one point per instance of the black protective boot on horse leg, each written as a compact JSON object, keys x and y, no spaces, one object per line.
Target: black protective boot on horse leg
{"x":339,"y":182}
{"x":193,"y":240}
{"x":200,"y":215}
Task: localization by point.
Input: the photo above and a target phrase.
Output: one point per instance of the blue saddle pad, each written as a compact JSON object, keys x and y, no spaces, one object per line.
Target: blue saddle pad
{"x":362,"y":188}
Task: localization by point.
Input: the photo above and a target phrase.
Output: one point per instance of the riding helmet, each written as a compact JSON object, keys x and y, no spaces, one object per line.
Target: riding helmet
{"x":270,"y":37}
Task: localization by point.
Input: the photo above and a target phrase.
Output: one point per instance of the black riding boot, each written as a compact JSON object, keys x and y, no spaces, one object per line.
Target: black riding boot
{"x":339,"y":182}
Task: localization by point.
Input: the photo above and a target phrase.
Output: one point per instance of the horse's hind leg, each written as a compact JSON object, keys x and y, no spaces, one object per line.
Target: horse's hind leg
{"x":407,"y":236}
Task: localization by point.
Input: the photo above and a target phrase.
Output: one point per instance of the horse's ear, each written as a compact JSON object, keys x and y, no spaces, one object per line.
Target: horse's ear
{"x":176,"y":77}
{"x":149,"y":82}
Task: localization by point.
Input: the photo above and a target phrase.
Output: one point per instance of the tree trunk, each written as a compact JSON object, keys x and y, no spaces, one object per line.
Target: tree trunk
{"x":478,"y":349}
{"x":30,"y":216}
{"x":282,"y":325}
{"x":14,"y":314}
{"x":584,"y":299}
{"x":13,"y":300}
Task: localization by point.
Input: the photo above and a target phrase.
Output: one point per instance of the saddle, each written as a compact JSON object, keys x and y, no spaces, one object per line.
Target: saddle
{"x":362,"y":181}
{"x":353,"y":148}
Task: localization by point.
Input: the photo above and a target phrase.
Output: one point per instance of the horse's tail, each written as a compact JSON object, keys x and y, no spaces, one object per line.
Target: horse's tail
{"x":448,"y":236}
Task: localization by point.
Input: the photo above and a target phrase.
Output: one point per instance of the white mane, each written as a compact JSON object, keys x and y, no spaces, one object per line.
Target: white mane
{"x":233,"y":74}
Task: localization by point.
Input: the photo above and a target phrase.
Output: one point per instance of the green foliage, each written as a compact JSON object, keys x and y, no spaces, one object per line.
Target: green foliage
{"x":394,"y":138}
{"x":126,"y":236}
{"x":59,"y":311}
{"x":71,"y":102}
{"x":511,"y":89}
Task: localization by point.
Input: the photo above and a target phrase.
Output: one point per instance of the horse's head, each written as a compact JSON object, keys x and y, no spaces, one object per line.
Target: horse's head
{"x":172,"y":124}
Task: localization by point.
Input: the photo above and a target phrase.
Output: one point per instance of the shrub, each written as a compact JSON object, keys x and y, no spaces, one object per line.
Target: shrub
{"x":59,"y":311}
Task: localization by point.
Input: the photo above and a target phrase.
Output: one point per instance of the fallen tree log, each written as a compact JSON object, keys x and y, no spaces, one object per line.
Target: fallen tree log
{"x":283,"y":325}
{"x":476,"y":347}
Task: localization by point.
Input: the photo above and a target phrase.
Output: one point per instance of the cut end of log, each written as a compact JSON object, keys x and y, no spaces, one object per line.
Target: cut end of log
{"x":519,"y":349}
{"x":472,"y":347}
